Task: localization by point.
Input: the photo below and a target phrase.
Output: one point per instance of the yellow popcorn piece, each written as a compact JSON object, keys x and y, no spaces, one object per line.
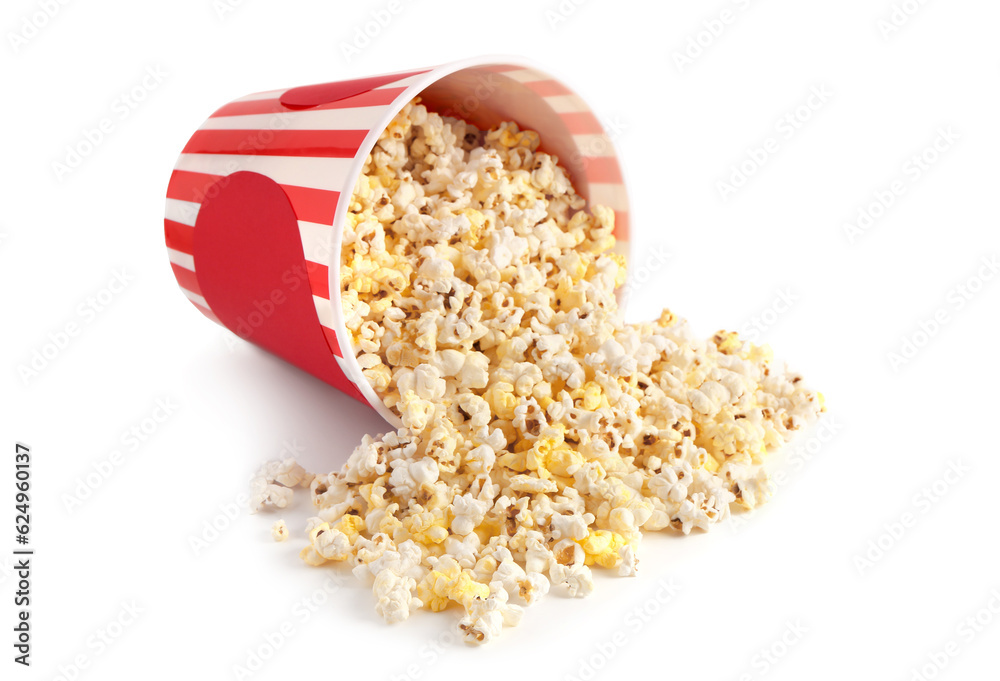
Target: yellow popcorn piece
{"x":372,"y":493}
{"x":537,"y":457}
{"x":465,"y":589}
{"x":427,"y":528}
{"x":602,"y":548}
{"x":310,"y":557}
{"x":728,"y":342}
{"x":522,"y":446}
{"x":436,"y":587}
{"x":449,"y":583}
{"x":502,"y":400}
{"x":562,"y":460}
{"x":477,"y":220}
{"x":622,"y":273}
{"x":568,"y":296}
{"x":351,"y":525}
{"x":593,"y":397}
{"x":511,"y":137}
{"x":515,"y":461}
{"x":667,"y":318}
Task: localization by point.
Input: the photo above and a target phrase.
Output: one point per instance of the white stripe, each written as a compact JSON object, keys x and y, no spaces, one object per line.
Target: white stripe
{"x":184,"y":212}
{"x":181,"y":259}
{"x":195,"y":298}
{"x":402,"y":82}
{"x":360,"y":118}
{"x":324,"y":311}
{"x":594,"y":144}
{"x":262,"y":95}
{"x":301,"y":171}
{"x":349,"y":368}
{"x":611,"y":195}
{"x":524,"y":75}
{"x":316,"y":241}
{"x":566,"y":103}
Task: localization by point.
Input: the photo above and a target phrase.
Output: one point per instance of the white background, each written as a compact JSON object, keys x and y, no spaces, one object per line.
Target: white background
{"x":896,"y":428}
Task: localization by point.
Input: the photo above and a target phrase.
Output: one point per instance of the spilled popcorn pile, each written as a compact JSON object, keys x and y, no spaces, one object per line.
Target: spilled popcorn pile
{"x":541,"y":435}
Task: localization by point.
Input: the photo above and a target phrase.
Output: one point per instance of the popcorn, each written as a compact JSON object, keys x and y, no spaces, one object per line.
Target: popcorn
{"x":394,"y":594}
{"x":629,"y":565}
{"x":541,"y":434}
{"x":469,"y":512}
{"x":273,"y":484}
{"x":279,"y":531}
{"x":578,"y":579}
{"x":485,"y":618}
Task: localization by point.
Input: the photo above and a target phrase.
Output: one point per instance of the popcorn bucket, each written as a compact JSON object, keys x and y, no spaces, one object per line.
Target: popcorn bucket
{"x":256,"y":204}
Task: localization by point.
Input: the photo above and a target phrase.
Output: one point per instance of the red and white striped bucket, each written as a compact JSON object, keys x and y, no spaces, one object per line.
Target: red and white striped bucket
{"x":257,"y":201}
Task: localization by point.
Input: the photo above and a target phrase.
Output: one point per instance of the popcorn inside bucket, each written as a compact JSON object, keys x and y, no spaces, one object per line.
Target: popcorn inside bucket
{"x":540,"y":434}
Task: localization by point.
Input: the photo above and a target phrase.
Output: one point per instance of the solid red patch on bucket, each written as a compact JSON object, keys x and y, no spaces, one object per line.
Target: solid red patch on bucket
{"x":309,"y":96}
{"x":253,"y":273}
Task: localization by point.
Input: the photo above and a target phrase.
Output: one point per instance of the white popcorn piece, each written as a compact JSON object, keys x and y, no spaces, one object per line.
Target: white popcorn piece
{"x":464,"y":549}
{"x":428,"y":383}
{"x":529,"y":483}
{"x":578,"y":579}
{"x":394,"y":596}
{"x":475,"y":371}
{"x":469,"y":512}
{"x":486,"y":617}
{"x":532,"y":587}
{"x":573,"y":526}
{"x":272,"y":484}
{"x":630,"y":564}
{"x":279,"y":531}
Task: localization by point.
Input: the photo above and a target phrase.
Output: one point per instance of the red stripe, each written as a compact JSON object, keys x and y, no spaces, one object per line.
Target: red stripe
{"x":273,"y":105}
{"x":312,"y":205}
{"x":621,"y":225}
{"x":187,"y":279}
{"x":319,"y":279}
{"x":331,"y":339}
{"x":314,"y":143}
{"x":603,"y":169}
{"x":179,"y":236}
{"x":548,"y":88}
{"x":582,"y":123}
{"x":188,"y":186}
{"x":208,"y":313}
